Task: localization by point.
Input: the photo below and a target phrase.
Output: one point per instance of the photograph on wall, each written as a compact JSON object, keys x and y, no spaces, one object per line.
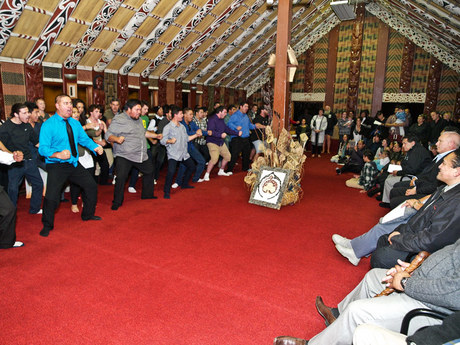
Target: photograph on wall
{"x":270,"y":187}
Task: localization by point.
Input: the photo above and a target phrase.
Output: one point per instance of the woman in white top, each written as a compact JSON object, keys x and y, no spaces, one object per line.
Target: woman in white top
{"x":318,"y":128}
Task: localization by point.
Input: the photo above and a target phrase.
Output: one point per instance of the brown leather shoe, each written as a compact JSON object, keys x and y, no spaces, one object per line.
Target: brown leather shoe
{"x":324,"y":311}
{"x":285,"y":340}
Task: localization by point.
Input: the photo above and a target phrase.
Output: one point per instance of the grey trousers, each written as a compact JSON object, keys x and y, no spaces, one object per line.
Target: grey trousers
{"x":366,"y":243}
{"x":389,"y":183}
{"x":358,"y":307}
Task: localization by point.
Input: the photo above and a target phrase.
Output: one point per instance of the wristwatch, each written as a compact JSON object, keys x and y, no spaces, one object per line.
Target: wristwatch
{"x":403,"y":282}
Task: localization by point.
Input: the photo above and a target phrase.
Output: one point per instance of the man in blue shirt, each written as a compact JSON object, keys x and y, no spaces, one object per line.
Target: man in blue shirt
{"x":240,"y":122}
{"x":59,"y":138}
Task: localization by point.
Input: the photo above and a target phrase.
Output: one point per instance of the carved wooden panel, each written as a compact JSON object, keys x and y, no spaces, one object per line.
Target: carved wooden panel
{"x":162,"y":91}
{"x":309,"y":70}
{"x":144,"y":90}
{"x":122,"y":86}
{"x":34,"y":81}
{"x":457,"y":103}
{"x":433,"y":85}
{"x":226,"y":96}
{"x":355,"y":58}
{"x":98,"y":88}
{"x":216,"y":94}
{"x":205,"y":101}
{"x":407,"y":64}
{"x":178,"y":94}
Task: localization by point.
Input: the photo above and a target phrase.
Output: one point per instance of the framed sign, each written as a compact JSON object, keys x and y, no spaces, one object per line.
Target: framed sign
{"x":270,"y":187}
{"x":72,"y":90}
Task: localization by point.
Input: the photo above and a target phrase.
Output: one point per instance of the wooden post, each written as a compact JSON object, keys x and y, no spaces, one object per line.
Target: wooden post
{"x":283,"y":38}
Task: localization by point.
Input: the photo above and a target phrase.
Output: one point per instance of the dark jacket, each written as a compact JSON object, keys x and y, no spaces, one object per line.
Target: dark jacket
{"x":434,"y":226}
{"x":415,"y":161}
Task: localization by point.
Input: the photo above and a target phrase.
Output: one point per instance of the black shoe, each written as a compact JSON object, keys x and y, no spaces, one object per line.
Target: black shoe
{"x":149,"y":197}
{"x":114,"y":207}
{"x":337,"y":170}
{"x":44,"y":232}
{"x":372,"y":192}
{"x":187,"y":186}
{"x":385,"y":204}
{"x":166,"y":196}
{"x":92,"y":218}
{"x":379,"y":197}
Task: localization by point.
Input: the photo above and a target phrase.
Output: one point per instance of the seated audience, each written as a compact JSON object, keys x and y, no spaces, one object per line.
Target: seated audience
{"x":425,"y":183}
{"x":434,"y":285}
{"x":366,"y":180}
{"x":356,"y":162}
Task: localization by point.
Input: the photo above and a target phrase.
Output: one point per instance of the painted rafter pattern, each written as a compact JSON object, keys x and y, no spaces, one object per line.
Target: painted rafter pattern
{"x":134,"y":23}
{"x":316,"y":11}
{"x":100,"y":21}
{"x":165,"y":23}
{"x":427,"y":23}
{"x":10,"y":11}
{"x":421,"y":40}
{"x":197,"y":43}
{"x":51,"y":31}
{"x":234,"y":45}
{"x":304,"y":42}
{"x":271,"y":43}
{"x":178,"y":39}
{"x":221,"y":40}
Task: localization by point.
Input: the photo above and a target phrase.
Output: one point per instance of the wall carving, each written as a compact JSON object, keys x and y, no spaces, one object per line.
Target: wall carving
{"x":406,"y":66}
{"x":10,"y":11}
{"x":432,"y":88}
{"x":404,"y":97}
{"x":308,"y":97}
{"x":355,"y":58}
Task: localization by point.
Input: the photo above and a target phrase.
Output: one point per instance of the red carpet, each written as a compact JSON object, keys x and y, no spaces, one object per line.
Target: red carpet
{"x":205,"y":267}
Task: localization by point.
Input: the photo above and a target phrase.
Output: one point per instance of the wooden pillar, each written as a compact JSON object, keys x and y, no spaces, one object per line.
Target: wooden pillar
{"x":216,"y":95}
{"x":355,"y":60}
{"x":205,"y":100}
{"x":380,"y":67}
{"x":309,"y":70}
{"x":457,"y":103}
{"x":122,"y":89}
{"x":144,"y":90}
{"x":407,"y":64}
{"x":98,"y":88}
{"x":34,"y":81}
{"x":192,"y":96}
{"x":434,"y":78}
{"x":2,"y":98}
{"x":331,"y":66}
{"x":162,"y":92}
{"x":283,"y":38}
{"x":178,"y":94}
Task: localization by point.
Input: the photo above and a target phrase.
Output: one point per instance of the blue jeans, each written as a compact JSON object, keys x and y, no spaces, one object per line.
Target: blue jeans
{"x":172,"y":165}
{"x":200,"y":165}
{"x":16,"y":173}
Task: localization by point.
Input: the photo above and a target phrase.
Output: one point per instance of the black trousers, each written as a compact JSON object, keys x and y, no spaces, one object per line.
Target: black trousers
{"x":7,"y":221}
{"x":203,"y":149}
{"x":242,"y":145}
{"x":58,"y":174}
{"x":158,"y":158}
{"x":172,"y":165}
{"x":387,"y":257}
{"x":104,"y":164}
{"x":123,"y":168}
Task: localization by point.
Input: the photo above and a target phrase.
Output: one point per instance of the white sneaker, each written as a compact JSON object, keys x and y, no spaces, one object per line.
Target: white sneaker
{"x":229,"y":173}
{"x":222,"y":173}
{"x":40,"y":211}
{"x":349,"y":253}
{"x":175,"y":185}
{"x":200,"y":180}
{"x":132,"y":190}
{"x":18,"y":244}
{"x":206,"y":177}
{"x":154,"y":181}
{"x":340,"y":240}
{"x":113,"y":181}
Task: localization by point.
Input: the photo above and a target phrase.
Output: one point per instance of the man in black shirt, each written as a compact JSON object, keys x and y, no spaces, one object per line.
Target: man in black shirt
{"x":16,"y":134}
